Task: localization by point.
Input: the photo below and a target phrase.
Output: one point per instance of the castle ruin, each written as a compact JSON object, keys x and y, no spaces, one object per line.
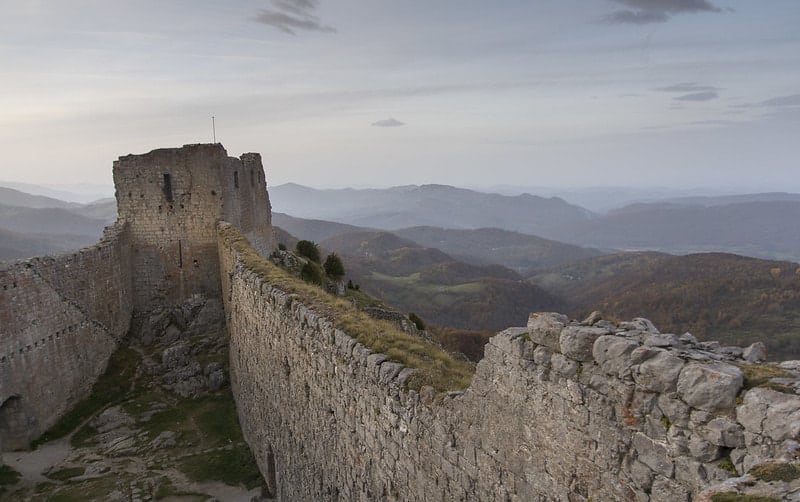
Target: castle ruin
{"x":557,"y":410}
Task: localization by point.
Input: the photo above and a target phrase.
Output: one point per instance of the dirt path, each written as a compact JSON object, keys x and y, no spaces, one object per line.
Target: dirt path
{"x":33,"y":464}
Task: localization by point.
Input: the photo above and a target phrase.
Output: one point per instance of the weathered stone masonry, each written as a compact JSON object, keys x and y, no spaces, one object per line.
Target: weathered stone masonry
{"x":60,"y":319}
{"x":172,"y":199}
{"x":556,"y":411}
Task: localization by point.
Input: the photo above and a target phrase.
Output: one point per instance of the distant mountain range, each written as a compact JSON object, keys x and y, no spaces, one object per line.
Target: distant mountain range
{"x":34,"y":224}
{"x":483,"y":246}
{"x":765,"y":229}
{"x":427,"y":205}
{"x":762,"y":225}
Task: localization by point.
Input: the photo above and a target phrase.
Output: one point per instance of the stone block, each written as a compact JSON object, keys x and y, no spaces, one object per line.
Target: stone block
{"x":577,"y":342}
{"x":653,"y":454}
{"x":658,"y":373}
{"x":710,"y":386}
{"x":612,"y":353}
{"x":545,"y":328}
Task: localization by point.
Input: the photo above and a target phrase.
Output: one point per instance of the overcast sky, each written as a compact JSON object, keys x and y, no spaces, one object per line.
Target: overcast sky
{"x":675,"y":93}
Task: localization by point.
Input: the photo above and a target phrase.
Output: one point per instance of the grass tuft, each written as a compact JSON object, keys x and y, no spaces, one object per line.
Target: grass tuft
{"x":776,"y":471}
{"x":233,"y":466}
{"x":736,"y":497}
{"x":759,"y":375}
{"x":434,"y":366}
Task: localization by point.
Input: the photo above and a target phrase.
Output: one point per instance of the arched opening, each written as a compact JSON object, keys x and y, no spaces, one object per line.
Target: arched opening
{"x":14,"y":425}
{"x":270,"y":479}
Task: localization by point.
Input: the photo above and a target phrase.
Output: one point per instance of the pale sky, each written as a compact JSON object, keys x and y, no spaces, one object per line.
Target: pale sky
{"x":674,"y":93}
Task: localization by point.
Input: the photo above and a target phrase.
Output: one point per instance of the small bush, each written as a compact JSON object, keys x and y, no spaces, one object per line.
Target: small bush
{"x":8,"y":476}
{"x":308,"y":249}
{"x":418,"y":322}
{"x":334,"y":268}
{"x":311,"y":273}
{"x":282,"y":246}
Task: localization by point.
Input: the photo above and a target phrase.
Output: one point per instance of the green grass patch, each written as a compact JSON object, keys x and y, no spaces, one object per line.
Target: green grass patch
{"x":66,"y":473}
{"x":110,"y":388}
{"x":91,"y":489}
{"x":363,"y":299}
{"x":8,"y":476}
{"x":727,"y":465}
{"x":759,"y":375}
{"x":166,"y":489}
{"x":776,"y":471}
{"x":233,"y":466}
{"x":218,"y":422}
{"x":434,"y":366}
{"x":83,"y":437}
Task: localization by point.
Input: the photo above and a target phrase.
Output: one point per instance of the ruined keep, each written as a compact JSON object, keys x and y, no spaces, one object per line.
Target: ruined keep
{"x":558,"y":410}
{"x":171,"y":200}
{"x":62,"y":317}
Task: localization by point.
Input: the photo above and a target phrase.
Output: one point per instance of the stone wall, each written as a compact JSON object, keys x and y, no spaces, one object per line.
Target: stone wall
{"x":556,"y":411}
{"x":60,"y":319}
{"x":172,"y":199}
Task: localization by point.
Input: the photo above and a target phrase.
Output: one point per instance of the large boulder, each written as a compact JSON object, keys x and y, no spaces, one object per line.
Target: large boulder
{"x":710,"y":386}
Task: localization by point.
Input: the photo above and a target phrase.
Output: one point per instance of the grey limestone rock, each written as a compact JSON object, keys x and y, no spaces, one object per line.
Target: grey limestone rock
{"x":653,"y":454}
{"x":723,"y":431}
{"x":577,"y":342}
{"x":612,"y":353}
{"x":662,"y":340}
{"x":545,"y":328}
{"x":564,"y":365}
{"x":710,"y":386}
{"x":659,"y":373}
{"x":755,"y":353}
{"x":592,"y":318}
{"x":639,"y":324}
{"x":176,"y":356}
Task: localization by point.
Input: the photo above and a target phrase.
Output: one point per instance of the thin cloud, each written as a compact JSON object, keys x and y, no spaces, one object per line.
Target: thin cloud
{"x":712,"y":123}
{"x":687,"y":87}
{"x":657,"y":11}
{"x":698,"y":96}
{"x":791,"y":100}
{"x":390,"y":122}
{"x":291,"y":16}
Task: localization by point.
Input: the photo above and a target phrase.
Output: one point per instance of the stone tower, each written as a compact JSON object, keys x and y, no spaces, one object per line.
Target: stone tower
{"x":171,"y":200}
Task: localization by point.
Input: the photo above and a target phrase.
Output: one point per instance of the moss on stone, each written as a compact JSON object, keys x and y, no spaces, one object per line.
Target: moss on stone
{"x":759,"y":375}
{"x":435,"y":367}
{"x":736,"y":497}
{"x":776,"y":471}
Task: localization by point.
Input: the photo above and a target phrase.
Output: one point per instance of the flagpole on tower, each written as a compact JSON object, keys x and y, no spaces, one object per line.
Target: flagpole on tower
{"x":213,"y":129}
